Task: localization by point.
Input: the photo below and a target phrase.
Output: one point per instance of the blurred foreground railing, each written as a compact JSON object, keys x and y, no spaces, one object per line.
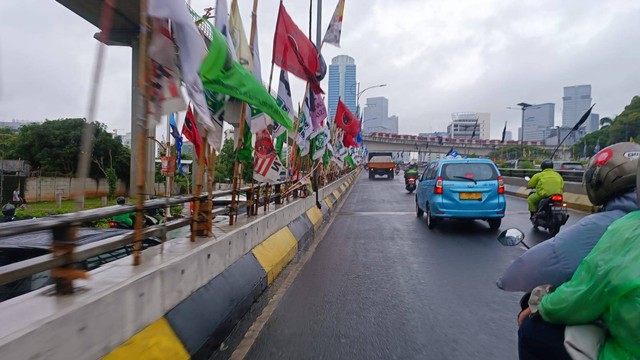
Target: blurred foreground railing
{"x":65,"y":256}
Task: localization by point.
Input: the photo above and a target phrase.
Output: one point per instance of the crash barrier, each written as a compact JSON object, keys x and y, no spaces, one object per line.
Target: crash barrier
{"x":180,"y":302}
{"x":567,"y":175}
{"x":574,"y":194}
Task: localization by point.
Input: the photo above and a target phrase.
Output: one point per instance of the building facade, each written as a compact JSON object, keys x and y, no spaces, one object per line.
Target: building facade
{"x":376,"y":116}
{"x":538,"y":119}
{"x":342,"y":83}
{"x":575,"y":102}
{"x":463,"y":125}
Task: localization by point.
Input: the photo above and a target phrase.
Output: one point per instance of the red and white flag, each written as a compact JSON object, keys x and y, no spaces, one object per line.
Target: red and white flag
{"x":266,"y":165}
{"x":165,"y":80}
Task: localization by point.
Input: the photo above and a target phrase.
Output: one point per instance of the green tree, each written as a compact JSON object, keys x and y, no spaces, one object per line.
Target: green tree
{"x":53,"y":147}
{"x":7,"y":143}
{"x":606,"y":121}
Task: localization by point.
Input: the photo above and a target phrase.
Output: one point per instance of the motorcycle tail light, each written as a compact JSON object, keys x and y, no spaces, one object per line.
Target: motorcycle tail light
{"x":439,"y":186}
{"x":556,"y":198}
{"x":112,"y":224}
{"x":412,"y":180}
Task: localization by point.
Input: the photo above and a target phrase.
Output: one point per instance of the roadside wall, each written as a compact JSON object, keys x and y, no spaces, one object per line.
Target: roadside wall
{"x":181,"y":302}
{"x":46,"y":188}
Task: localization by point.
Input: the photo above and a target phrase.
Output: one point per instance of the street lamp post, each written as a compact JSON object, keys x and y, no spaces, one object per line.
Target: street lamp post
{"x":523,"y":106}
{"x":358,"y":93}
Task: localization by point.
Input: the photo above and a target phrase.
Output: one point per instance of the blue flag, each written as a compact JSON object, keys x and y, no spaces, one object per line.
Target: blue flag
{"x":176,"y":135}
{"x":596,"y":149}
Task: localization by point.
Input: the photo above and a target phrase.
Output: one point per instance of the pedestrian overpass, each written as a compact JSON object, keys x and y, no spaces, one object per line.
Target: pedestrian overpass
{"x":397,"y":143}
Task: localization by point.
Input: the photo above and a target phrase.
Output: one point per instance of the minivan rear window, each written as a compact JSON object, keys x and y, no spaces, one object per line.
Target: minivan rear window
{"x":475,"y":171}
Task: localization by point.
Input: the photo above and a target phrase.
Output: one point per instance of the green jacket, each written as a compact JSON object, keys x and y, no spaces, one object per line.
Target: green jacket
{"x":547,"y":182}
{"x":125,"y":218}
{"x":605,"y":286}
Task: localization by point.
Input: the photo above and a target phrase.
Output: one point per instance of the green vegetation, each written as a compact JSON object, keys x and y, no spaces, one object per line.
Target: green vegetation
{"x":53,"y":148}
{"x":623,"y":127}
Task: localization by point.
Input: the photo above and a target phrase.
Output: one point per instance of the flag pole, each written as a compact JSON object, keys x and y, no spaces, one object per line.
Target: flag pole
{"x":252,"y":40}
{"x":142,"y":138}
{"x":233,"y":211}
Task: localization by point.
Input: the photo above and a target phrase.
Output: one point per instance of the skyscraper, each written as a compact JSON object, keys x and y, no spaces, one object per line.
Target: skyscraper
{"x":376,"y":116}
{"x":342,"y":83}
{"x":538,"y":119}
{"x":576,"y":101}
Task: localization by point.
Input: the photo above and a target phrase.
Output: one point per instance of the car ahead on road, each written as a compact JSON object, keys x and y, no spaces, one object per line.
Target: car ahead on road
{"x":461,"y":189}
{"x":568,"y":166}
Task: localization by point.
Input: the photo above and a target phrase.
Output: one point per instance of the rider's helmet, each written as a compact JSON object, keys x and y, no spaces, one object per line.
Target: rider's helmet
{"x":8,"y":210}
{"x":611,"y":172}
{"x":120,"y":200}
{"x":546,"y":164}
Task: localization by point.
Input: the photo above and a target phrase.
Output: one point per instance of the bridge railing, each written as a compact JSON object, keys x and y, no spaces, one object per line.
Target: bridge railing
{"x":65,"y":256}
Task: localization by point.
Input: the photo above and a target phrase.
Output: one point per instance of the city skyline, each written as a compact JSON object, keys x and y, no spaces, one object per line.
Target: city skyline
{"x":503,"y":66}
{"x":342,"y":84}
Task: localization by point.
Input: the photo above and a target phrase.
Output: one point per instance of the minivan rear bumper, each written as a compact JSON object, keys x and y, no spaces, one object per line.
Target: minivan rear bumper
{"x":468,"y":214}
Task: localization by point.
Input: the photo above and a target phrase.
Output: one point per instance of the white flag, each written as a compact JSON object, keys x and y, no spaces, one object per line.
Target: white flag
{"x":304,"y":129}
{"x":222,"y":24}
{"x":266,"y":164}
{"x":165,"y":91}
{"x":332,"y":36}
{"x":192,"y":50}
{"x":284,"y":101}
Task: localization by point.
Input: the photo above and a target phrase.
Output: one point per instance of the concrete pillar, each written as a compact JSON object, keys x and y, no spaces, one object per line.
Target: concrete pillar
{"x":136,"y":128}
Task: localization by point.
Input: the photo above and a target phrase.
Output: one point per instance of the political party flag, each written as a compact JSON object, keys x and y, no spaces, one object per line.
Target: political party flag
{"x":266,"y":164}
{"x":192,"y":49}
{"x":238,"y":37}
{"x":222,"y":24}
{"x":304,"y":129}
{"x":346,"y":121}
{"x":284,"y":101}
{"x":317,"y":109}
{"x":176,"y":135}
{"x":332,"y":36}
{"x":504,"y":132}
{"x":294,"y":52}
{"x":190,"y":131}
{"x":221,"y":74}
{"x":258,"y":120}
{"x":165,"y":91}
{"x":583,"y":119}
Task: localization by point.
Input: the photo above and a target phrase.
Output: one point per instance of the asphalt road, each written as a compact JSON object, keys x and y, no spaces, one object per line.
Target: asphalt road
{"x":381,"y":285}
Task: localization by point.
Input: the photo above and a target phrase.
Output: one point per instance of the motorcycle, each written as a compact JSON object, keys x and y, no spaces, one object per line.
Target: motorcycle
{"x":552,"y":213}
{"x":410,"y":185}
{"x":397,"y":170}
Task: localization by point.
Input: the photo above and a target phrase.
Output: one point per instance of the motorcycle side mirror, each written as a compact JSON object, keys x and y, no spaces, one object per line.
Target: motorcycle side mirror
{"x":527,"y":178}
{"x":511,"y":237}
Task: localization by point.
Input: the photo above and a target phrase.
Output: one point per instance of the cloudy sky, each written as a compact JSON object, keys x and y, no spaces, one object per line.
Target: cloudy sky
{"x":437,"y":57}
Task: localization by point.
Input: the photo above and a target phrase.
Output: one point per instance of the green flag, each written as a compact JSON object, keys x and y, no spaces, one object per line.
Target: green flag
{"x":280,"y":142}
{"x":245,"y":155}
{"x":221,"y":74}
{"x":350,"y":162}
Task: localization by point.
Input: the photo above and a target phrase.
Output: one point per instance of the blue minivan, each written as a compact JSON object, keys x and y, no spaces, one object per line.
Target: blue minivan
{"x":461,"y":189}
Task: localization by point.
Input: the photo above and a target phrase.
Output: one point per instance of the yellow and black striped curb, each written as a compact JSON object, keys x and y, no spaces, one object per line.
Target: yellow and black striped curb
{"x":199,"y":323}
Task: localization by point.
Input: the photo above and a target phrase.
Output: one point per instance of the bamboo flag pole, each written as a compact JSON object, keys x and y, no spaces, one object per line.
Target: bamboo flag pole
{"x":233,"y":211}
{"x":142,"y":120}
{"x":211,"y":187}
{"x":195,"y":217}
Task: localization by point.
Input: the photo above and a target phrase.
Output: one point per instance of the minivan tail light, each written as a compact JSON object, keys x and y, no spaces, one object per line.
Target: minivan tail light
{"x":556,"y":198}
{"x":438,"y":189}
{"x":500,"y":185}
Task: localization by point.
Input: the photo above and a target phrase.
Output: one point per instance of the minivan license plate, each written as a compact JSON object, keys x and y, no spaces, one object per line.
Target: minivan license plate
{"x":470,"y":196}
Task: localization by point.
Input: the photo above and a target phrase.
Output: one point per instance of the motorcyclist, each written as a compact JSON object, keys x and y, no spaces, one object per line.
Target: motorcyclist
{"x":605,"y":288}
{"x":547,"y":183}
{"x":610,"y":181}
{"x":126,"y":218}
{"x":8,"y":213}
{"x":411,"y":172}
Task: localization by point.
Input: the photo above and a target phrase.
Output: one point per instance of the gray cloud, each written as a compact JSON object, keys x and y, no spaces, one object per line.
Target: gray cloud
{"x":437,"y":57}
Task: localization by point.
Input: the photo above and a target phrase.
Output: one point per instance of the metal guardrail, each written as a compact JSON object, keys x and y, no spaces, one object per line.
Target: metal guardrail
{"x":65,"y":222}
{"x":567,"y":175}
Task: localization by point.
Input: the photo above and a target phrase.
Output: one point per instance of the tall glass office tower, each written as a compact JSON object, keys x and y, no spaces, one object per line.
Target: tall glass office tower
{"x":342,"y":83}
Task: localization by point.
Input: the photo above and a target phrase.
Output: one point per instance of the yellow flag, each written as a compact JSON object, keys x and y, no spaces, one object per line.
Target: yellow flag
{"x":631,"y":139}
{"x":236,"y":30}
